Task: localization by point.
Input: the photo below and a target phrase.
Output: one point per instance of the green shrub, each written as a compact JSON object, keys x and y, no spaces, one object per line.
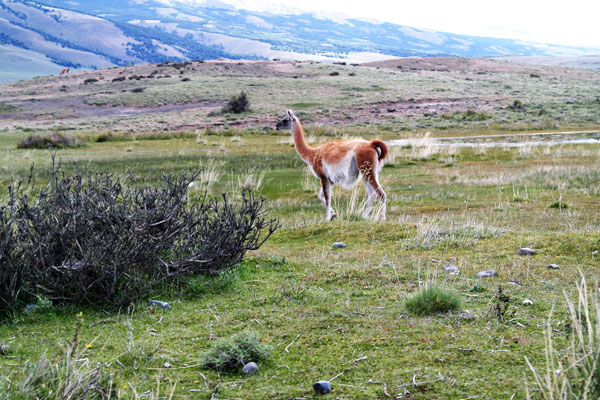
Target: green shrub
{"x":229,"y":355}
{"x":432,"y":300}
{"x":54,"y":141}
{"x":238,"y":104}
{"x":517,"y":105}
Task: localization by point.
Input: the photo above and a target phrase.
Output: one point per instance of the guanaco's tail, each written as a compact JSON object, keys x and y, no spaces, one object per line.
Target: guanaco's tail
{"x":380,"y":148}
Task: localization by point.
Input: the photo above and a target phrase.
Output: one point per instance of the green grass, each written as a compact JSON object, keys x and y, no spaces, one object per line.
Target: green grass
{"x":432,"y":300}
{"x":326,"y":311}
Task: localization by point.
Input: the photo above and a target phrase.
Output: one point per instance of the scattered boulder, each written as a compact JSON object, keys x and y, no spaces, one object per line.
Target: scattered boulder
{"x":251,"y":368}
{"x":339,"y":245}
{"x":488,"y":273}
{"x":157,"y":303}
{"x":526,"y":251}
{"x":322,"y":387}
{"x":553,"y":266}
{"x":451,"y":269}
{"x":527,"y":302}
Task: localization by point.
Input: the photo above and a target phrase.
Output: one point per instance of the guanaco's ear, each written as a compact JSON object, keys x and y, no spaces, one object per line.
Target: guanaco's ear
{"x":291,"y":114}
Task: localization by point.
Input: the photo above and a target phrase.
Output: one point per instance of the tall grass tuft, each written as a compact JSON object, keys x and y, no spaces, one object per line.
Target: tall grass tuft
{"x":431,"y":300}
{"x":229,"y":355}
{"x":72,"y":377}
{"x":432,"y":232}
{"x":573,"y":373}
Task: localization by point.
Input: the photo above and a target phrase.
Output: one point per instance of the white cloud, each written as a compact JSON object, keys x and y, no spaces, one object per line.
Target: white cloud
{"x":572,"y":23}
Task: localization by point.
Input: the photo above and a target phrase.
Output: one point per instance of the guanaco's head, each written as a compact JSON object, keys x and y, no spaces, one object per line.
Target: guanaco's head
{"x":286,"y":123}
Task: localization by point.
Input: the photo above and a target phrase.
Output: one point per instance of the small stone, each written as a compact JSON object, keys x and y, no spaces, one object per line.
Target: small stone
{"x":526,"y":251}
{"x":339,"y":245}
{"x":3,"y":349}
{"x":451,"y":268}
{"x":322,"y":387}
{"x":251,"y":368}
{"x":465,"y":314}
{"x":484,"y":274}
{"x":167,"y":365}
{"x":527,"y":302}
{"x":162,"y":304}
{"x":553,"y":266}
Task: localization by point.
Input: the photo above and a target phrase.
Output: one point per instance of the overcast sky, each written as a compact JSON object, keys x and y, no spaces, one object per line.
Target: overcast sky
{"x":567,"y":22}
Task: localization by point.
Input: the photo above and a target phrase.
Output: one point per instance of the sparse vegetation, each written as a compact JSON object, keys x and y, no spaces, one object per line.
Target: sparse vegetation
{"x":322,"y":310}
{"x":72,"y":376}
{"x":573,"y":373}
{"x":53,"y":141}
{"x":434,"y":233}
{"x":561,"y":205}
{"x":501,"y":307}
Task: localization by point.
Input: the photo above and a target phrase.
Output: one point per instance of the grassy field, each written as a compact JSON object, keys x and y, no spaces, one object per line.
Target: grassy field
{"x":329,"y":312}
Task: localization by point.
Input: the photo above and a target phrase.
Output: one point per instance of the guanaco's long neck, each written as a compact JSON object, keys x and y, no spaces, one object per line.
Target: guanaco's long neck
{"x":302,"y":148}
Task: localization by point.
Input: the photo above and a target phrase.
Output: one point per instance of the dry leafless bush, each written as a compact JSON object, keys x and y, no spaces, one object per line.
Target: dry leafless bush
{"x":90,"y":238}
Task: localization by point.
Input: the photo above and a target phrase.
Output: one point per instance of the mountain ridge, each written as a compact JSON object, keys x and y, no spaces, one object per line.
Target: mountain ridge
{"x":88,"y":35}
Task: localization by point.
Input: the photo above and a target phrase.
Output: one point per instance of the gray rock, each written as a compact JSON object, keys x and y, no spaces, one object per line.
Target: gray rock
{"x":466,"y":314}
{"x":484,"y":274}
{"x":527,"y":302}
{"x":451,"y":268}
{"x":526,"y":251}
{"x":339,"y":245}
{"x":251,"y":368}
{"x":3,"y":349}
{"x":162,"y":304}
{"x":166,"y":365}
{"x":553,"y":266}
{"x":322,"y":387}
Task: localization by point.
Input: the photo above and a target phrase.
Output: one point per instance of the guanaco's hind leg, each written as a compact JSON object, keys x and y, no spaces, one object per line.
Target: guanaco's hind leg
{"x":325,"y":196}
{"x":367,"y":165}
